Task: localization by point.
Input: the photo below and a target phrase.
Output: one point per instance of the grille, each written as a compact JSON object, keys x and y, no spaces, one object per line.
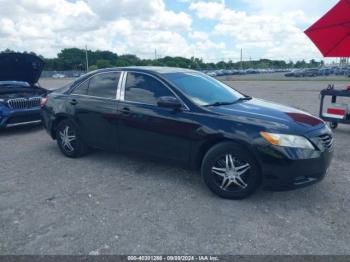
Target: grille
{"x":327,"y":141}
{"x":24,"y":103}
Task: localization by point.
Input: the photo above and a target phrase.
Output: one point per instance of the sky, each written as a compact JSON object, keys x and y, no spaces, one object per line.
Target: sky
{"x":213,"y":30}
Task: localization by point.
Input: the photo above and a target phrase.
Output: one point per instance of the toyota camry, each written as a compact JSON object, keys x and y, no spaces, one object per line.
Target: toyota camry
{"x":238,"y":142}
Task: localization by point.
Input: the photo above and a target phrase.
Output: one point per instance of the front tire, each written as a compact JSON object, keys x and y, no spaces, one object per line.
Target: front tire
{"x":230,"y":171}
{"x":68,"y":139}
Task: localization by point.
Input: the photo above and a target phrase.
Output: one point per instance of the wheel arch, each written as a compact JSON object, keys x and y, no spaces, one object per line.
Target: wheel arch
{"x":205,"y":147}
{"x":59,"y":118}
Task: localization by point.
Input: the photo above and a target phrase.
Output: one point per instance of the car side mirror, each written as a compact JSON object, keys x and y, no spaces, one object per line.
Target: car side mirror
{"x":169,"y":102}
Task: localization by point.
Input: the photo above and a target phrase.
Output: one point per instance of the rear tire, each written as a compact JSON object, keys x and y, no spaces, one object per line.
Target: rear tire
{"x":69,"y":140}
{"x":230,"y":171}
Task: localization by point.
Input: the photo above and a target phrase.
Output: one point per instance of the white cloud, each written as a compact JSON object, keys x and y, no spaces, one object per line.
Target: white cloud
{"x":209,"y":50}
{"x":126,"y":26}
{"x":112,"y":9}
{"x":165,"y":42}
{"x":168,"y":20}
{"x":277,"y":35}
{"x":313,"y":8}
{"x":198,"y":35}
{"x":209,"y":10}
{"x":273,"y":27}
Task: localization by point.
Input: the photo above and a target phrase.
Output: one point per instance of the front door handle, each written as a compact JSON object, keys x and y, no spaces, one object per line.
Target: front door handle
{"x":73,"y":102}
{"x":125,"y":111}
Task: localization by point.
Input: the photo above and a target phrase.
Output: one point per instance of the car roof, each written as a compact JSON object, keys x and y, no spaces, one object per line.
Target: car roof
{"x":149,"y":69}
{"x":155,"y":70}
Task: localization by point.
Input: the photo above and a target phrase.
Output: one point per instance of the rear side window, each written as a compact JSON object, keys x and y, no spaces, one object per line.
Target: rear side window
{"x":81,"y":89}
{"x":104,"y":85}
{"x":144,"y":89}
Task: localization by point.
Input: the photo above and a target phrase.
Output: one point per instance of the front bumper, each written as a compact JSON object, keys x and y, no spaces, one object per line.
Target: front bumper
{"x":20,"y":117}
{"x":291,"y":168}
{"x":296,"y":173}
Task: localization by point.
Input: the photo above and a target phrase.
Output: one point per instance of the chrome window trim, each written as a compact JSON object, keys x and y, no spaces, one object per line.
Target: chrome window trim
{"x":122,"y":89}
{"x":122,"y":92}
{"x":104,"y":98}
{"x":119,"y":87}
{"x":89,"y":78}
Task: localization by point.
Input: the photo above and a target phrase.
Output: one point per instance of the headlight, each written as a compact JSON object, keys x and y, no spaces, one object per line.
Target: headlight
{"x":287,"y":140}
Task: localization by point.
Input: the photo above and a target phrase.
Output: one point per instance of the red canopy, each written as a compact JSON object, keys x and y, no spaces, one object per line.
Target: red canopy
{"x":331,"y":34}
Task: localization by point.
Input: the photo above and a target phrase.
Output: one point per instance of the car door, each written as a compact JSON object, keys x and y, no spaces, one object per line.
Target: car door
{"x":146,"y":128}
{"x":95,"y":107}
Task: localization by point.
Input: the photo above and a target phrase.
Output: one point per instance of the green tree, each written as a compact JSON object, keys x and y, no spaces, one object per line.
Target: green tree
{"x":93,"y":68}
{"x":72,"y":59}
{"x":75,"y":59}
{"x":103,"y":63}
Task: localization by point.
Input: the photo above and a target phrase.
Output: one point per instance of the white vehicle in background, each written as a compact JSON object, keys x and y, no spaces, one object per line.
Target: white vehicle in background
{"x":58,"y":76}
{"x":212,"y":74}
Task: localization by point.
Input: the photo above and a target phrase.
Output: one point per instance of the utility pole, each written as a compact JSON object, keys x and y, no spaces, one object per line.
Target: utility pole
{"x":241,"y":58}
{"x":87,"y":59}
{"x":155,"y":54}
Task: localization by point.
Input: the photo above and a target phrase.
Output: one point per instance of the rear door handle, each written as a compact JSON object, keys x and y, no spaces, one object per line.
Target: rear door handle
{"x":73,"y":102}
{"x":125,"y":111}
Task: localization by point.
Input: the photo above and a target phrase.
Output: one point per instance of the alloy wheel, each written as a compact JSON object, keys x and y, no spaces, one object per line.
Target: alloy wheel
{"x":68,"y":139}
{"x":231,"y":173}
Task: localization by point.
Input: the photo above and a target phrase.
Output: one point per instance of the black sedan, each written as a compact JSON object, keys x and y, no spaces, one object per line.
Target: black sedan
{"x":238,"y":142}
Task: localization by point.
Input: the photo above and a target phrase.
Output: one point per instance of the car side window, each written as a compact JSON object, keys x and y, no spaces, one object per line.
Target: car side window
{"x":81,"y":89}
{"x":144,"y":89}
{"x":104,"y":85}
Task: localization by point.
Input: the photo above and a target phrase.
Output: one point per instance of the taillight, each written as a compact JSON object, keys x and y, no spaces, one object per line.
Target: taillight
{"x":43,"y":101}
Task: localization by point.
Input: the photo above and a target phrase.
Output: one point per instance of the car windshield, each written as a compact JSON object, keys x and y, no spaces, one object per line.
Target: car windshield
{"x":202,"y":89}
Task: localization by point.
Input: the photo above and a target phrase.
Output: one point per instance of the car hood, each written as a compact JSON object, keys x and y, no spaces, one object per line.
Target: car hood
{"x":20,"y":67}
{"x":272,"y":116}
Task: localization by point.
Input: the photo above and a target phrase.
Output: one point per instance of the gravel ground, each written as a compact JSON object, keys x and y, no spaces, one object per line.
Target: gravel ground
{"x":113,"y":204}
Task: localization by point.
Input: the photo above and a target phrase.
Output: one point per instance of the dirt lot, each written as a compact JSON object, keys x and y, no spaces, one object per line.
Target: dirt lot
{"x":113,"y":204}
